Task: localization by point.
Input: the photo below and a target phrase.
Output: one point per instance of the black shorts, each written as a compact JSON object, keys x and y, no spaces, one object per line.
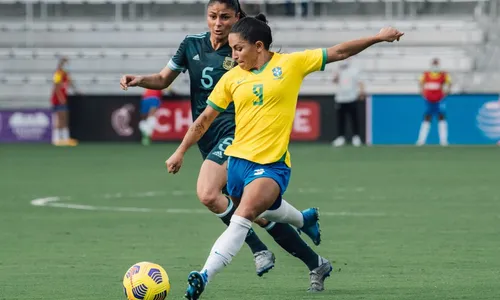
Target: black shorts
{"x":216,"y":154}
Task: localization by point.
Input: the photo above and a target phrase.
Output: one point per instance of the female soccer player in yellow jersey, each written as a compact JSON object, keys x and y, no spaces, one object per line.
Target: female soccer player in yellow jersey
{"x":264,"y":88}
{"x":207,"y":57}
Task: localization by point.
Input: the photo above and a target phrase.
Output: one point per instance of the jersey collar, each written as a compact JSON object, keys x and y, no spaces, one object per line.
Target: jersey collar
{"x":209,"y":44}
{"x":263,"y":66}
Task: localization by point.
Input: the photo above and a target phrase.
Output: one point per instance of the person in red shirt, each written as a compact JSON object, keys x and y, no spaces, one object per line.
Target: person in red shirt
{"x":435,"y":85}
{"x":151,"y":100}
{"x":62,"y":81}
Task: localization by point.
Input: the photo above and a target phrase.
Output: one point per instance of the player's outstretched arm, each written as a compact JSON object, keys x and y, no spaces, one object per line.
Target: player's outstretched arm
{"x":350,"y":48}
{"x":157,"y":81}
{"x":194,"y":134}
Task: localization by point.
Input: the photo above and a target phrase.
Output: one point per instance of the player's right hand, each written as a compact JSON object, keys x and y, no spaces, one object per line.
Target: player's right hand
{"x":129,"y":80}
{"x":389,"y":34}
{"x":174,"y":163}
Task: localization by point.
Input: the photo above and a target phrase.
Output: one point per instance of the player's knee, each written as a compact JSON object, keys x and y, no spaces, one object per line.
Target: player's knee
{"x":247,"y":213}
{"x":427,"y":117}
{"x":442,"y":117}
{"x":208,"y":197}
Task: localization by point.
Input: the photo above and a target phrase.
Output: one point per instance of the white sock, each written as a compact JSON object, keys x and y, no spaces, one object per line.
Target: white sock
{"x":65,"y":134}
{"x":286,"y":213}
{"x":424,"y":131}
{"x":443,"y":132}
{"x":143,"y":127}
{"x":56,"y":136}
{"x":151,"y":123}
{"x":227,"y":246}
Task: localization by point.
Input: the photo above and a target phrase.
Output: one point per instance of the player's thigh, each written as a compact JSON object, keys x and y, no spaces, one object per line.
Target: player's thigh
{"x":62,"y":118}
{"x":258,"y":196}
{"x":263,"y":186}
{"x":441,"y":110}
{"x":55,"y":119}
{"x":211,"y":179}
{"x":65,"y":114}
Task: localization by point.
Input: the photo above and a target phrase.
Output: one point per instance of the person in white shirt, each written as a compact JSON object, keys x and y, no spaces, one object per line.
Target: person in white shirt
{"x":350,"y":91}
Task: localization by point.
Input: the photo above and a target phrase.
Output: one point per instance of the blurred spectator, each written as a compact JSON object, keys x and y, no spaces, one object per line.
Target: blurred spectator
{"x":150,"y":102}
{"x":435,"y":85}
{"x":62,"y":81}
{"x":350,"y":91}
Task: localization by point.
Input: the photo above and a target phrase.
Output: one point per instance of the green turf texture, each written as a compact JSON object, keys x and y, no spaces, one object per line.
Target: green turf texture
{"x":399,"y":223}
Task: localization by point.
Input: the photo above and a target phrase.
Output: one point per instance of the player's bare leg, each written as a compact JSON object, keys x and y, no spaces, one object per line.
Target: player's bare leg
{"x":56,"y":126}
{"x":211,"y":181}
{"x":64,"y":129}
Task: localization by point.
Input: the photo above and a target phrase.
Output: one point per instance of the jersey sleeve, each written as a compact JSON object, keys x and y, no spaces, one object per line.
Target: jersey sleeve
{"x":57,"y":78}
{"x":310,"y":60}
{"x":178,"y":62}
{"x":221,"y":97}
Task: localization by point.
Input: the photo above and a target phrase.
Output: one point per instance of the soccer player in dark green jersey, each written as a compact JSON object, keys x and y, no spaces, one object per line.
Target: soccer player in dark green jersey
{"x":207,"y":56}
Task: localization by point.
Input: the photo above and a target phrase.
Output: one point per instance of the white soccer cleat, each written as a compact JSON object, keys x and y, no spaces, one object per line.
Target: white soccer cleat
{"x":317,"y":277}
{"x":356,"y":141}
{"x":264,"y":261}
{"x":339,"y":142}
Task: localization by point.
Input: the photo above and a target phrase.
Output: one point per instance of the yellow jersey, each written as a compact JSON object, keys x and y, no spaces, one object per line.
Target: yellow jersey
{"x":265,"y":101}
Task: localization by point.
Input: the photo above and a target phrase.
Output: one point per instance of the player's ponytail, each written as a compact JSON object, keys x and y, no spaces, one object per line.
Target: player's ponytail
{"x":253,"y":29}
{"x":261,"y":17}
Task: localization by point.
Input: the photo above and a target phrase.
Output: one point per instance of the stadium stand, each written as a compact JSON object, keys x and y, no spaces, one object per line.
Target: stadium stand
{"x":102,"y":46}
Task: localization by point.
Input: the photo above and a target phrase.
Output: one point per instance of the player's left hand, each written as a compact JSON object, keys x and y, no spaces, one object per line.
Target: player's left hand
{"x":389,"y":34}
{"x":174,"y":163}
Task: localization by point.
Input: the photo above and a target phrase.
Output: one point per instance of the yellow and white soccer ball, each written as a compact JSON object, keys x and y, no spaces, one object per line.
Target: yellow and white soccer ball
{"x":146,"y":281}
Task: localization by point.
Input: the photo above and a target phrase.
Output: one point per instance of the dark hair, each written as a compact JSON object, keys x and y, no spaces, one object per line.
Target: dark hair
{"x":253,"y":29}
{"x":233,"y":4}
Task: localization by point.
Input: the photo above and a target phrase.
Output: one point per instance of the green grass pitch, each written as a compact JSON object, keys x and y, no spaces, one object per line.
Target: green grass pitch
{"x":399,"y":223}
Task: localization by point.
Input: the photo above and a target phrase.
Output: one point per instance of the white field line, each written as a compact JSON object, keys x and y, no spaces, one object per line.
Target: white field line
{"x":55,"y":202}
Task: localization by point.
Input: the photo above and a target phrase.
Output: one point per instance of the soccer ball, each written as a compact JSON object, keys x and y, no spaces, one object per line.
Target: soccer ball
{"x":146,"y":281}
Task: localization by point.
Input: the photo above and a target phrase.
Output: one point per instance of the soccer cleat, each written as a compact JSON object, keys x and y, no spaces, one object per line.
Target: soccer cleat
{"x":318,"y":276}
{"x":59,"y":143}
{"x":311,"y":225}
{"x":356,"y":141}
{"x":338,"y":142}
{"x":264,"y":261}
{"x":196,"y":285}
{"x":72,"y":142}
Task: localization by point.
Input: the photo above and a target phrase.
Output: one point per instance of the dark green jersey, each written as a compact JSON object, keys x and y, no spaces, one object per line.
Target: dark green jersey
{"x":205,"y":66}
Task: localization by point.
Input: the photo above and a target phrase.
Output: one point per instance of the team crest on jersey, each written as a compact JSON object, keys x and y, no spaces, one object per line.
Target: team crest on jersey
{"x":228,"y":63}
{"x":278,"y":73}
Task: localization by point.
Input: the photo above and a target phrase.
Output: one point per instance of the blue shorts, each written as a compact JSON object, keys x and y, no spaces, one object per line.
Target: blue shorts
{"x":60,"y":107}
{"x":241,"y":172}
{"x":148,"y":103}
{"x":435,"y":108}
